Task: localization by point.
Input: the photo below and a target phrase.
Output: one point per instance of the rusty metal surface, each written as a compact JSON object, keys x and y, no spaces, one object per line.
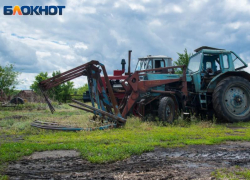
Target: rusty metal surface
{"x":106,"y":102}
{"x":164,"y":92}
{"x":134,"y":86}
{"x":103,"y":96}
{"x":112,"y":116}
{"x":56,"y":126}
{"x":66,"y":76}
{"x":52,"y":109}
{"x":87,"y":110}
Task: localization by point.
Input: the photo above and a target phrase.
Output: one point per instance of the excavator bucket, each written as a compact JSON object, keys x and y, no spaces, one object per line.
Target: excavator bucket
{"x":103,"y":101}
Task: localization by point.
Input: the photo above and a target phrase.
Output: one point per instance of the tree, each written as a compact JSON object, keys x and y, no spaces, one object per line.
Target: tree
{"x":183,"y":59}
{"x":8,"y":79}
{"x":57,"y":93}
{"x":82,"y":89}
{"x":39,"y":78}
{"x":67,"y":89}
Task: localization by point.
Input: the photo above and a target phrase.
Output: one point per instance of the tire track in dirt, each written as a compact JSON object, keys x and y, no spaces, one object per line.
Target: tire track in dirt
{"x":191,"y":162}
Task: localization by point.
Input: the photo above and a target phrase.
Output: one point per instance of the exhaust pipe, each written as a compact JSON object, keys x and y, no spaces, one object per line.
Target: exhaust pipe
{"x":123,"y":65}
{"x":129,"y":59}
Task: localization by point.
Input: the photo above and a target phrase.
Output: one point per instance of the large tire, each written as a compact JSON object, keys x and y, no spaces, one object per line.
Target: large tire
{"x":166,"y":110}
{"x":231,"y":99}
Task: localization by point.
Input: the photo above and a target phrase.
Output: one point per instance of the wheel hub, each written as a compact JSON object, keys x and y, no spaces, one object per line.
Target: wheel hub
{"x":237,"y":101}
{"x":167,"y":111}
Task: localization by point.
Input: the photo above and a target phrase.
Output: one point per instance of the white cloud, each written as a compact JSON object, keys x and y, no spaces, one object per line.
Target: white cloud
{"x":237,"y":5}
{"x":26,"y":80}
{"x":68,"y":57}
{"x":118,"y":37}
{"x":234,"y":25}
{"x":248,"y":68}
{"x":41,"y":54}
{"x":155,"y":22}
{"x":86,"y":10}
{"x":177,"y":9}
{"x":116,"y":4}
{"x":137,"y":7}
{"x":197,"y":4}
{"x":172,"y":8}
{"x":81,"y":46}
{"x":105,"y":30}
{"x":79,"y":6}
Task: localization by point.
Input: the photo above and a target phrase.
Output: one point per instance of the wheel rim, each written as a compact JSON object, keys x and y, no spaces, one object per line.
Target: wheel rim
{"x":169,"y":113}
{"x":237,"y":100}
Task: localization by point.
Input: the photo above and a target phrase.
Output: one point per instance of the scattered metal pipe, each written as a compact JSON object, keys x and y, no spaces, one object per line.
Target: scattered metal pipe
{"x":53,"y":126}
{"x":112,"y":116}
{"x":87,"y":110}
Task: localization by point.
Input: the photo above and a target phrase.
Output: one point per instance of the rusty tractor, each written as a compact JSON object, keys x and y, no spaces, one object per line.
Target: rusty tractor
{"x":120,"y":75}
{"x":212,"y":84}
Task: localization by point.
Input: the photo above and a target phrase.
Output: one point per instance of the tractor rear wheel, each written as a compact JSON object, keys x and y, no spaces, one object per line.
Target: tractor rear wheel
{"x":231,"y":99}
{"x":166,"y":110}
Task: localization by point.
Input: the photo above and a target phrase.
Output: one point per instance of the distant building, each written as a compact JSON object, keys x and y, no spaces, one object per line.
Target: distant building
{"x":30,"y":96}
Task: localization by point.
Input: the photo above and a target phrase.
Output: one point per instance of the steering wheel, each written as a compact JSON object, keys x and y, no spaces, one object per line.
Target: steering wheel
{"x":209,"y":70}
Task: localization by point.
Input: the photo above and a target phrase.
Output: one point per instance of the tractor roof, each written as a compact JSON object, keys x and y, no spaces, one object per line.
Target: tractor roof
{"x":154,"y":57}
{"x":210,"y":50}
{"x":206,"y":47}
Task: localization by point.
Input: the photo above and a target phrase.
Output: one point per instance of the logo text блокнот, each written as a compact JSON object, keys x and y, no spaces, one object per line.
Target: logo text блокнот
{"x":33,"y":10}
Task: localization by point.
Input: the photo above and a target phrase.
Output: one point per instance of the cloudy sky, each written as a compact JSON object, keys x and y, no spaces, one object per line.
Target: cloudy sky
{"x":105,"y":30}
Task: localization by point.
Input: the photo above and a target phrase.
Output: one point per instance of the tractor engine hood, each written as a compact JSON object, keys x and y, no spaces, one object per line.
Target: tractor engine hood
{"x":152,"y":76}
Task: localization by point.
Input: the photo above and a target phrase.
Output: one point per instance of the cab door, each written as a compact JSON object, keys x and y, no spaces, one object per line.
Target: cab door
{"x":226,"y":62}
{"x":194,"y":69}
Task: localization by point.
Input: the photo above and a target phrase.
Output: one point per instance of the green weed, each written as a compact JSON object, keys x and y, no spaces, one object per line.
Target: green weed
{"x":110,"y":145}
{"x":232,"y":173}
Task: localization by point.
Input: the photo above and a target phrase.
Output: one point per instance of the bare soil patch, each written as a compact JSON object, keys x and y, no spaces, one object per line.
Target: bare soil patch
{"x":191,"y":162}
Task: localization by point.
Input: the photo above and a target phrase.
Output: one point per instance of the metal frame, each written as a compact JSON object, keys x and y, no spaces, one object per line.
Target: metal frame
{"x":106,"y":102}
{"x":134,"y":87}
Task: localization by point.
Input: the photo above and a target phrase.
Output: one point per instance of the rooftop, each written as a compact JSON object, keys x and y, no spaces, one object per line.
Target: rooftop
{"x":206,"y":47}
{"x":157,"y":56}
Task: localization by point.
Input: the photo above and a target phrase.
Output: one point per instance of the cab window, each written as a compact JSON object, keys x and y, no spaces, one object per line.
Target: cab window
{"x":208,"y":65}
{"x":159,"y":63}
{"x":150,"y":65}
{"x":238,"y":64}
{"x":217,"y":65}
{"x":225,"y":61}
{"x":194,"y":63}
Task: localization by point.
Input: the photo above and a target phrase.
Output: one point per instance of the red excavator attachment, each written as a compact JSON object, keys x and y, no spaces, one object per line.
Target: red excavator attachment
{"x":106,"y":103}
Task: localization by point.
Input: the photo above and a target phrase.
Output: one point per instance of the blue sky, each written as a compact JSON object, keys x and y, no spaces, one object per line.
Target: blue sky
{"x":105,"y":30}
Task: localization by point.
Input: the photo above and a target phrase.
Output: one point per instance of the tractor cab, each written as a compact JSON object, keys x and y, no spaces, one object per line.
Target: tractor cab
{"x":209,"y":63}
{"x":153,"y":62}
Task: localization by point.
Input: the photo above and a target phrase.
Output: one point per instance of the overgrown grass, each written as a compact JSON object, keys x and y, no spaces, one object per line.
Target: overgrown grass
{"x":3,"y":177}
{"x":232,"y":173}
{"x":32,"y":106}
{"x":105,"y":146}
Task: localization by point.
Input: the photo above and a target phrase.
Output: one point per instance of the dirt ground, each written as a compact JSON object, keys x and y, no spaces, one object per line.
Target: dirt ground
{"x":191,"y":162}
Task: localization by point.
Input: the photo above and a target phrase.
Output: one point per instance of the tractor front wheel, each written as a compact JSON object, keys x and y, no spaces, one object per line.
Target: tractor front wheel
{"x":231,"y":99}
{"x":166,"y":110}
